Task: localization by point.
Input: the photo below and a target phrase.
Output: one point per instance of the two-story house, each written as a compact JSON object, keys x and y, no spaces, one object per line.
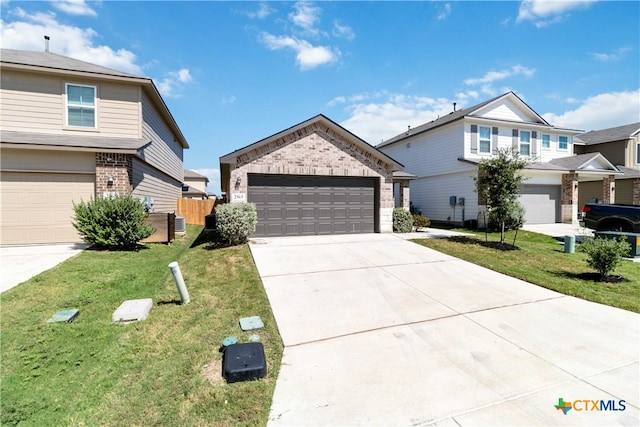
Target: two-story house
{"x":71,"y":131}
{"x":621,"y":146}
{"x":194,"y":185}
{"x":444,"y":154}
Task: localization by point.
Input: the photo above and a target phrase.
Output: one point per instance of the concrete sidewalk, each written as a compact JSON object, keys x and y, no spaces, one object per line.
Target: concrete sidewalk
{"x":20,"y":263}
{"x":381,"y":331}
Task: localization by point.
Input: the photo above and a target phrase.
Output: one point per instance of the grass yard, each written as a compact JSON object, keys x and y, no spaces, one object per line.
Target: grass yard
{"x":165,"y":370}
{"x":542,"y":261}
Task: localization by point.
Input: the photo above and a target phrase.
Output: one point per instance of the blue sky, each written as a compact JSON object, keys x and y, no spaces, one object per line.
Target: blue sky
{"x":233,"y":73}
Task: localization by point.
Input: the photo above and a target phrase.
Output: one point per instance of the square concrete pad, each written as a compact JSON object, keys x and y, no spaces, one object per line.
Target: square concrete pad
{"x":134,"y":309}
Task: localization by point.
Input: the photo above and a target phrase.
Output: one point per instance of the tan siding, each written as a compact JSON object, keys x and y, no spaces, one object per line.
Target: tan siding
{"x":148,"y":181}
{"x":30,"y":102}
{"x":624,"y":191}
{"x":165,"y":153}
{"x":47,"y":160}
{"x":34,"y":102}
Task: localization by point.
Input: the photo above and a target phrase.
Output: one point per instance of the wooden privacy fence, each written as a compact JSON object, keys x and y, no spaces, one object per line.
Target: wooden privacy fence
{"x":194,"y":210}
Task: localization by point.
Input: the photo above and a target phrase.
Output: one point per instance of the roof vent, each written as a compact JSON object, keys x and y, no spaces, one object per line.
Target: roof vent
{"x":409,"y":130}
{"x":46,"y":43}
{"x":454,"y":107}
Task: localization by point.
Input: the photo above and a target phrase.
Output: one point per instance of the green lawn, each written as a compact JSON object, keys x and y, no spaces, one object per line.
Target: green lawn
{"x":165,"y":370}
{"x":539,"y":259}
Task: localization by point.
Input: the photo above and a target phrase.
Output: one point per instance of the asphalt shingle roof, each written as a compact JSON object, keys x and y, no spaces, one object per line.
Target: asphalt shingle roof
{"x":71,"y":141}
{"x":608,"y":135}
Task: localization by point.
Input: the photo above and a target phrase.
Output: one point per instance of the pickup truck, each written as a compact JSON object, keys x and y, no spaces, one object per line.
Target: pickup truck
{"x":603,"y":217}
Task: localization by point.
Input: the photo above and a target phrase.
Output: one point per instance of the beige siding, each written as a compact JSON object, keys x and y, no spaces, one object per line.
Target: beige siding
{"x":34,"y":102}
{"x":165,"y":152}
{"x":46,"y":160}
{"x":624,"y":191}
{"x":196,"y":184}
{"x":148,"y":181}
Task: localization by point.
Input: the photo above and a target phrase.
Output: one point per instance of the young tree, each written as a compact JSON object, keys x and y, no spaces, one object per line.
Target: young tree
{"x":498,"y":184}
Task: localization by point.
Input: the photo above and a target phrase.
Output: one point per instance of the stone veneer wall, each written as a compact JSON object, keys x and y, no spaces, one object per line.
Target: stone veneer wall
{"x":117,"y":165}
{"x":317,"y":150}
{"x":570,"y":198}
{"x":608,"y":189}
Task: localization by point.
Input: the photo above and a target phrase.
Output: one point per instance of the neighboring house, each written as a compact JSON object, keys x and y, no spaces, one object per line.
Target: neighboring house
{"x":444,"y":155}
{"x":73,"y":131}
{"x":314,"y":178}
{"x":194,"y":185}
{"x":621,"y":146}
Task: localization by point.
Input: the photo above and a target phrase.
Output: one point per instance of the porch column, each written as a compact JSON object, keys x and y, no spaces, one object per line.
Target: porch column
{"x":608,"y":189}
{"x":636,"y":191}
{"x":570,"y":198}
{"x":404,"y":195}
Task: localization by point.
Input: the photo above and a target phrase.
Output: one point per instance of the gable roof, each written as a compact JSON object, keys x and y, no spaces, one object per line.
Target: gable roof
{"x":608,"y":135}
{"x":467,"y":112}
{"x":58,"y":64}
{"x":588,"y":161}
{"x":321,"y":119}
{"x":194,"y":175}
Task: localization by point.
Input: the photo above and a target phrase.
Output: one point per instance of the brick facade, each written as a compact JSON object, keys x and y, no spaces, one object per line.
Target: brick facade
{"x":317,"y":150}
{"x":636,"y":191}
{"x":570,"y":198}
{"x":114,"y":173}
{"x":608,"y":189}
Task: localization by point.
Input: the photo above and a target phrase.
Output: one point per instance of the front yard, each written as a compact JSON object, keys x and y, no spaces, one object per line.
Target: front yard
{"x":541,"y":260}
{"x":165,"y":370}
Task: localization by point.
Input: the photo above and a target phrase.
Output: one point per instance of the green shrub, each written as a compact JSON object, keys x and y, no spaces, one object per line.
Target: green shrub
{"x":402,"y":221}
{"x":420,"y":221}
{"x":236,"y":221}
{"x":113,"y":222}
{"x":603,"y":254}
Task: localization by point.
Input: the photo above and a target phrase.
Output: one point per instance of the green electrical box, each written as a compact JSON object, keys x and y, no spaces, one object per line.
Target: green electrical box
{"x":632,"y":238}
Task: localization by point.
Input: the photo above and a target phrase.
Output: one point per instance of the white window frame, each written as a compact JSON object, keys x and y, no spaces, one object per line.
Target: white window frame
{"x":480,"y":140}
{"x":68,"y":105}
{"x":548,"y":147}
{"x":638,"y":153}
{"x":520,"y":143}
{"x":559,"y":147}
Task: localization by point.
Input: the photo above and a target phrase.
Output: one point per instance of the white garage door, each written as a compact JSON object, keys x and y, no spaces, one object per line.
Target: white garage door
{"x":541,"y":203}
{"x":38,"y":207}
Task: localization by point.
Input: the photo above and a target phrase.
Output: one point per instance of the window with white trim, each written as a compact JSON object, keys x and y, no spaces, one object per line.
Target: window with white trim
{"x":563,"y":142}
{"x":525,"y":142}
{"x":484,"y":134}
{"x":546,"y":141}
{"x":638,"y":153}
{"x":81,"y":105}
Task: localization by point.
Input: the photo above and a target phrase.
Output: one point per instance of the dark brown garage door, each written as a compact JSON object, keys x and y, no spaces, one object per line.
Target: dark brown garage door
{"x":302,"y":205}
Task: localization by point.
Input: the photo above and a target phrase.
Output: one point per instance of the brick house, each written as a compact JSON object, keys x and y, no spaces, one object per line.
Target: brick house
{"x":315,"y":178}
{"x":71,"y":131}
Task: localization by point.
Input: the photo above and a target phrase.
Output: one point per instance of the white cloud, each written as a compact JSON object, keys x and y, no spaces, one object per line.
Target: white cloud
{"x":493,"y":76}
{"x":74,"y":7}
{"x":382,"y":115}
{"x":263,"y":11}
{"x":306,"y":16}
{"x":601,"y":111}
{"x":444,"y":12}
{"x":173,"y":82}
{"x":617,"y":55}
{"x":308,"y":56}
{"x":214,"y":179}
{"x":344,"y":31}
{"x":26,"y":32}
{"x":229,"y":100}
{"x":547,"y":12}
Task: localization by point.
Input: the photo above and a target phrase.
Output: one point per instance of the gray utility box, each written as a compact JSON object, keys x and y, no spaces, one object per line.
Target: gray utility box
{"x":632,"y":238}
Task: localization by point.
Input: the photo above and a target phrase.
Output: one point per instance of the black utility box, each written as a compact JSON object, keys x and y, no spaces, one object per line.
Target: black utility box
{"x":243,"y":362}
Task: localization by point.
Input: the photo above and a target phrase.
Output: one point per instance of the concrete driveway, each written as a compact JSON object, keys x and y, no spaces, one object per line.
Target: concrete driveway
{"x":20,"y":263}
{"x":381,"y":331}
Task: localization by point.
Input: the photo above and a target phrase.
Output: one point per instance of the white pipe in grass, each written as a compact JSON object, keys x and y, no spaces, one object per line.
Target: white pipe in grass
{"x":182,"y":288}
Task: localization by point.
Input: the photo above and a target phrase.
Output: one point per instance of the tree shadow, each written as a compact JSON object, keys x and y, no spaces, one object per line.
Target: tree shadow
{"x":211,"y":240}
{"x":593,"y":277}
{"x":465,"y":240}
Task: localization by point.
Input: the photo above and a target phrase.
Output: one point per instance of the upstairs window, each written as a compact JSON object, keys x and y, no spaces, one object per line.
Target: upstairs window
{"x":638,"y":153}
{"x":563,"y":142}
{"x":81,"y":106}
{"x":546,"y":141}
{"x":485,"y":139}
{"x":525,"y":143}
